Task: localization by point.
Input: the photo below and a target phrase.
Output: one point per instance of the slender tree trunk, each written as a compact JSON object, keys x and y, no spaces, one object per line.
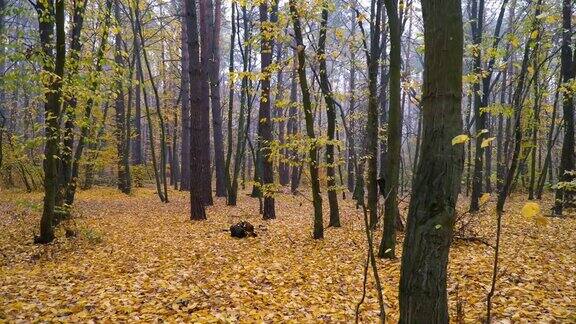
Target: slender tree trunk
{"x":264,"y":120}
{"x":214,"y":23}
{"x":351,"y":148}
{"x":307,"y":105}
{"x":185,"y":112}
{"x":47,"y":20}
{"x":137,"y":148}
{"x":124,"y":183}
{"x":550,"y":144}
{"x":331,"y":119}
{"x":391,"y":213}
{"x":431,"y":215}
{"x":244,"y":115}
{"x":230,"y":107}
{"x":293,"y":126}
{"x":372,"y":119}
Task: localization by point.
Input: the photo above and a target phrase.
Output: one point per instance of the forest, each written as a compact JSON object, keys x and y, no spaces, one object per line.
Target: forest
{"x":267,"y":161}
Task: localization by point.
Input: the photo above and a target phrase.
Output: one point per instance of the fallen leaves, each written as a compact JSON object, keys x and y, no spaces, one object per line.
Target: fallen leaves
{"x":135,"y":259}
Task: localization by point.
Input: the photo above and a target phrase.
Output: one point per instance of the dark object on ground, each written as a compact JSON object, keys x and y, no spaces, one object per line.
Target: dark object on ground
{"x":242,"y":229}
{"x":70,"y":233}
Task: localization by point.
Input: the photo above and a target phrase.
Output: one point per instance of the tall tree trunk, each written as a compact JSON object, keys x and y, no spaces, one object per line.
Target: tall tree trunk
{"x":214,"y":24}
{"x":124,"y":183}
{"x":372,"y":61}
{"x":50,"y":16}
{"x":394,"y":141}
{"x":138,"y":148}
{"x":565,"y":196}
{"x":431,"y":215}
{"x":230,"y":106}
{"x":264,"y":120}
{"x":307,"y":105}
{"x":283,"y":168}
{"x":70,"y":104}
{"x":293,"y":126}
{"x":185,"y":110}
{"x":197,"y":203}
{"x":331,"y":119}
{"x":477,"y":22}
{"x":351,"y":161}
{"x":535,"y":127}
{"x":205,"y":59}
{"x":244,"y":117}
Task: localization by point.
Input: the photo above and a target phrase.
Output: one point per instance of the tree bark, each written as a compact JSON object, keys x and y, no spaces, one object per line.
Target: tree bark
{"x":394,"y":141}
{"x":564,"y":196}
{"x":264,"y":120}
{"x":197,"y":204}
{"x":431,"y":215}
{"x":331,"y":119}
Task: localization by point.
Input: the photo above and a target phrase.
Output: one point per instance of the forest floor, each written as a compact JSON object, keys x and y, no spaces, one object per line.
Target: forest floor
{"x":136,"y":259}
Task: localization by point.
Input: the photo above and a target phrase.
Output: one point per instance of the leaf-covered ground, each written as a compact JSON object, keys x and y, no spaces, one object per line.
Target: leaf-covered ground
{"x":137,"y":259}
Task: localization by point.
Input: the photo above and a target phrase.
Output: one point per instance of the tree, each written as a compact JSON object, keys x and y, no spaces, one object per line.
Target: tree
{"x":122,"y":128}
{"x":197,"y":203}
{"x":564,"y":196}
{"x":185,"y":108}
{"x":394,"y":141}
{"x":431,"y":215}
{"x":372,"y":58}
{"x":51,"y":15}
{"x":307,"y":105}
{"x":331,"y":117}
{"x":266,"y":175}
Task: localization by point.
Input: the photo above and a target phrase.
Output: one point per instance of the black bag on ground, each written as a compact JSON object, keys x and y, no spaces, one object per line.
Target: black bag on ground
{"x":242,"y":230}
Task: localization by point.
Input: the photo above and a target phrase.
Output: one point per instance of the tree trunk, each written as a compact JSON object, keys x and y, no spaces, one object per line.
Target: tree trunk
{"x":564,"y":196}
{"x":46,"y":22}
{"x":185,"y":112}
{"x":372,"y":61}
{"x":124,"y":183}
{"x":392,"y":172}
{"x":307,"y":105}
{"x":205,"y":60}
{"x":331,"y":119}
{"x":197,"y":204}
{"x":431,"y":215}
{"x":214,"y":20}
{"x":264,"y":120}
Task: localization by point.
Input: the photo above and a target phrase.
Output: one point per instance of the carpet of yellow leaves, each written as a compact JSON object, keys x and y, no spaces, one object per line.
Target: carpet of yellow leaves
{"x":136,"y":259}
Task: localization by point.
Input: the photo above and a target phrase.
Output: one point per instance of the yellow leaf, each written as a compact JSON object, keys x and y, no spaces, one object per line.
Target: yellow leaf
{"x":486,"y":142}
{"x":530,"y":209}
{"x":462,"y":138}
{"x":534,"y":34}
